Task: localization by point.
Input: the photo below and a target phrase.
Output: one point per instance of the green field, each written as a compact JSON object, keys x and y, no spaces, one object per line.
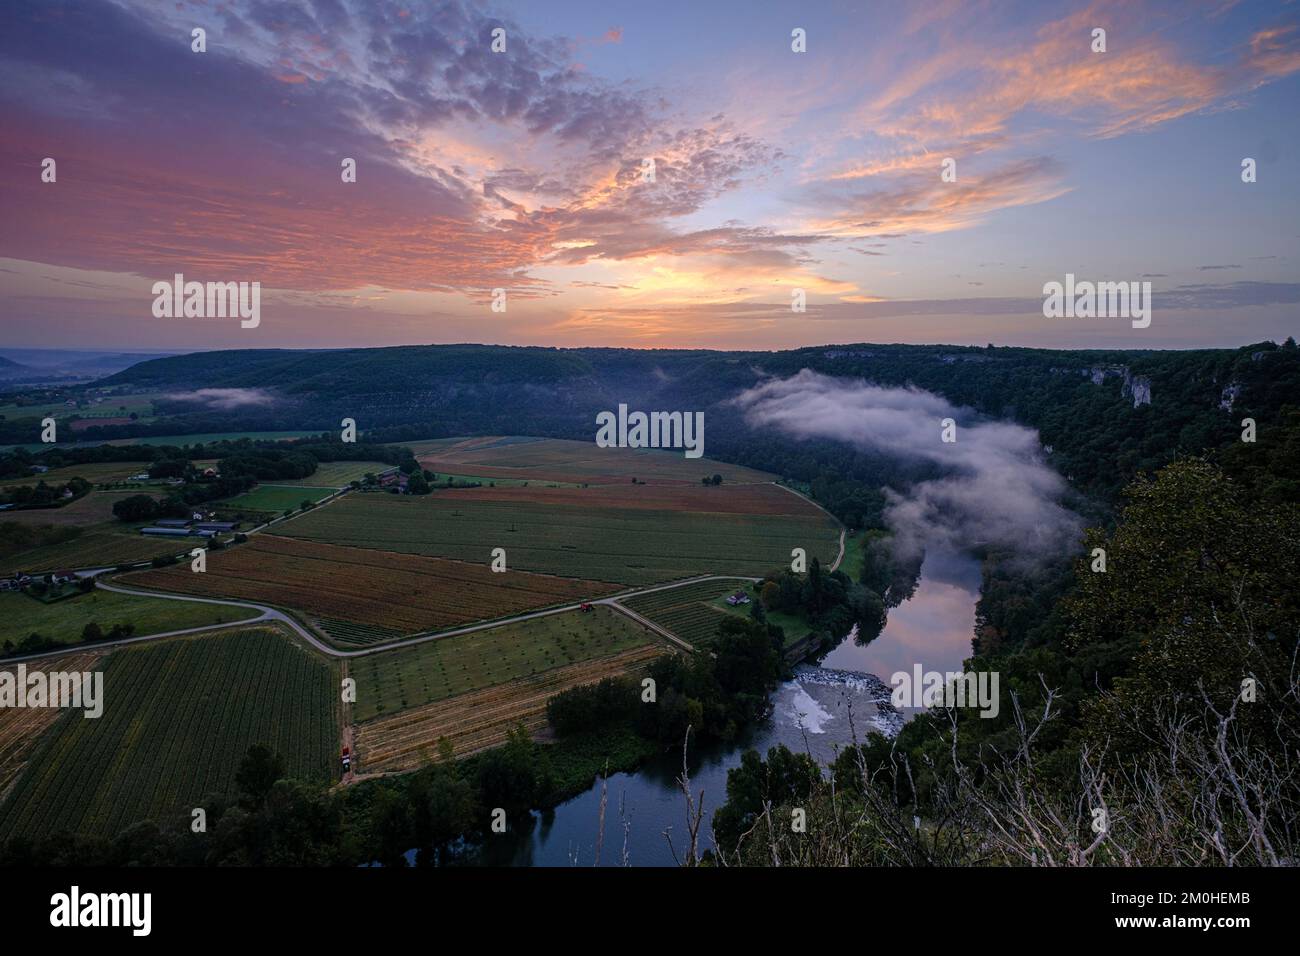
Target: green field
{"x":435,"y":670}
{"x":622,"y":546}
{"x":63,"y":621}
{"x":94,"y":548}
{"x":692,"y":612}
{"x":336,"y":474}
{"x":178,"y":717}
{"x":111,"y":406}
{"x":275,"y":498}
{"x":94,"y":472}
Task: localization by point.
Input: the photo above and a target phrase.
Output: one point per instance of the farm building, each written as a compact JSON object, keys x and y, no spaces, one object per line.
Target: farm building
{"x":216,"y":526}
{"x":173,"y":532}
{"x":172,"y":522}
{"x":740,"y":597}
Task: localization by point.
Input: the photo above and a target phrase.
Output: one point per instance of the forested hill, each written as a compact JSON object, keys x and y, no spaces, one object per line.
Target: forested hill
{"x":1106,"y":414}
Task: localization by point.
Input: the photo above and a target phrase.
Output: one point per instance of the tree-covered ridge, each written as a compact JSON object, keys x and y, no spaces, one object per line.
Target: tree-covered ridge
{"x":1160,"y":698}
{"x":1105,"y":414}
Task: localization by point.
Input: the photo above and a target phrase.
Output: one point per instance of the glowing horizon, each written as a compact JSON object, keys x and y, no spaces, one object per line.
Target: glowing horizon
{"x":525,"y":170}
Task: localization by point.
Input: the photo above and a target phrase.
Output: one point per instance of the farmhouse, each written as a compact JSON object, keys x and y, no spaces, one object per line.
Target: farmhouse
{"x":740,"y":597}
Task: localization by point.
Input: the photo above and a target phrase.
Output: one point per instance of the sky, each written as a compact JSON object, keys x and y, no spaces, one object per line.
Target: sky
{"x":525,"y":170}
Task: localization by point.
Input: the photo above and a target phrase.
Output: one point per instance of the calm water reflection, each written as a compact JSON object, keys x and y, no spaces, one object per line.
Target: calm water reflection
{"x":817,"y":712}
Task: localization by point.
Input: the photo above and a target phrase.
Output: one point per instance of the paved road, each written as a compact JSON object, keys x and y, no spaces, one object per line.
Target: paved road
{"x":269,"y":614}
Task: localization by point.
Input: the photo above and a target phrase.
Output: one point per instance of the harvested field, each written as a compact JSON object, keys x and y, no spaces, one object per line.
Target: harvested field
{"x":392,"y":592}
{"x":20,"y":728}
{"x":634,"y":546}
{"x":481,"y":719}
{"x":574,"y":461}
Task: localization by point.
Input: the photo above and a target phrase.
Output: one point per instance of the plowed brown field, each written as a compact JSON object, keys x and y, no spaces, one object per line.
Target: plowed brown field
{"x":399,"y":592}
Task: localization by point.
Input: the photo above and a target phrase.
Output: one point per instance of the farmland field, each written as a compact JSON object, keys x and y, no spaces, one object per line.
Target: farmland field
{"x":572,"y":461}
{"x":764,"y":499}
{"x":94,"y":507}
{"x":92,"y":548}
{"x":141,"y":403}
{"x":393,"y":594}
{"x":689,"y":612}
{"x":63,"y":620}
{"x":21,"y":727}
{"x":619,"y":544}
{"x":208,"y":437}
{"x":178,"y":717}
{"x":94,"y":472}
{"x":275,"y":498}
{"x":435,"y":670}
{"x":336,"y":474}
{"x":481,"y":719}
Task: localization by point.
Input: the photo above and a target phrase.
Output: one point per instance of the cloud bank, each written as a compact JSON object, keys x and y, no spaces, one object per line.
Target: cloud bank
{"x":998,"y":490}
{"x":226,"y":399}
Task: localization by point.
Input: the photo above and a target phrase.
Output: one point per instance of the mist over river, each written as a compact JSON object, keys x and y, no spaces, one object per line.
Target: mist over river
{"x":820,"y":711}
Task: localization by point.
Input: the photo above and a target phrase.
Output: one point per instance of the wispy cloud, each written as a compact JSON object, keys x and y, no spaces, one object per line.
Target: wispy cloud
{"x":998,"y":489}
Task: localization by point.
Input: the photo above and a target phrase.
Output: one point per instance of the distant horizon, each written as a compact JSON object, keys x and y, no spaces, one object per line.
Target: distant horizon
{"x":166,"y":353}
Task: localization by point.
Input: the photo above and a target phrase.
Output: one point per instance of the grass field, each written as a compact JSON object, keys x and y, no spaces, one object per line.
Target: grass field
{"x":381,"y":595}
{"x":436,"y":670}
{"x":275,"y":498}
{"x":572,"y":461}
{"x":178,"y":717}
{"x":63,"y":621}
{"x":336,"y":474}
{"x":615,"y":544}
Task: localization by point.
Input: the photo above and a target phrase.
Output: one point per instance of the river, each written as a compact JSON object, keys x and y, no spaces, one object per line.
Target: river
{"x":824,"y":708}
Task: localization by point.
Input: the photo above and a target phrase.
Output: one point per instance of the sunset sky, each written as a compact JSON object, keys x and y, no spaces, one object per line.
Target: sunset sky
{"x":774,"y":170}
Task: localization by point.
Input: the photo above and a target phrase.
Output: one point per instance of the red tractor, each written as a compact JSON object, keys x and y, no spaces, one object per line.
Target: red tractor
{"x":347,"y":760}
{"x":584,"y":607}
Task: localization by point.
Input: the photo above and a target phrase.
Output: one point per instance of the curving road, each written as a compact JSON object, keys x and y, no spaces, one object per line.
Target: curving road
{"x":272,"y":614}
